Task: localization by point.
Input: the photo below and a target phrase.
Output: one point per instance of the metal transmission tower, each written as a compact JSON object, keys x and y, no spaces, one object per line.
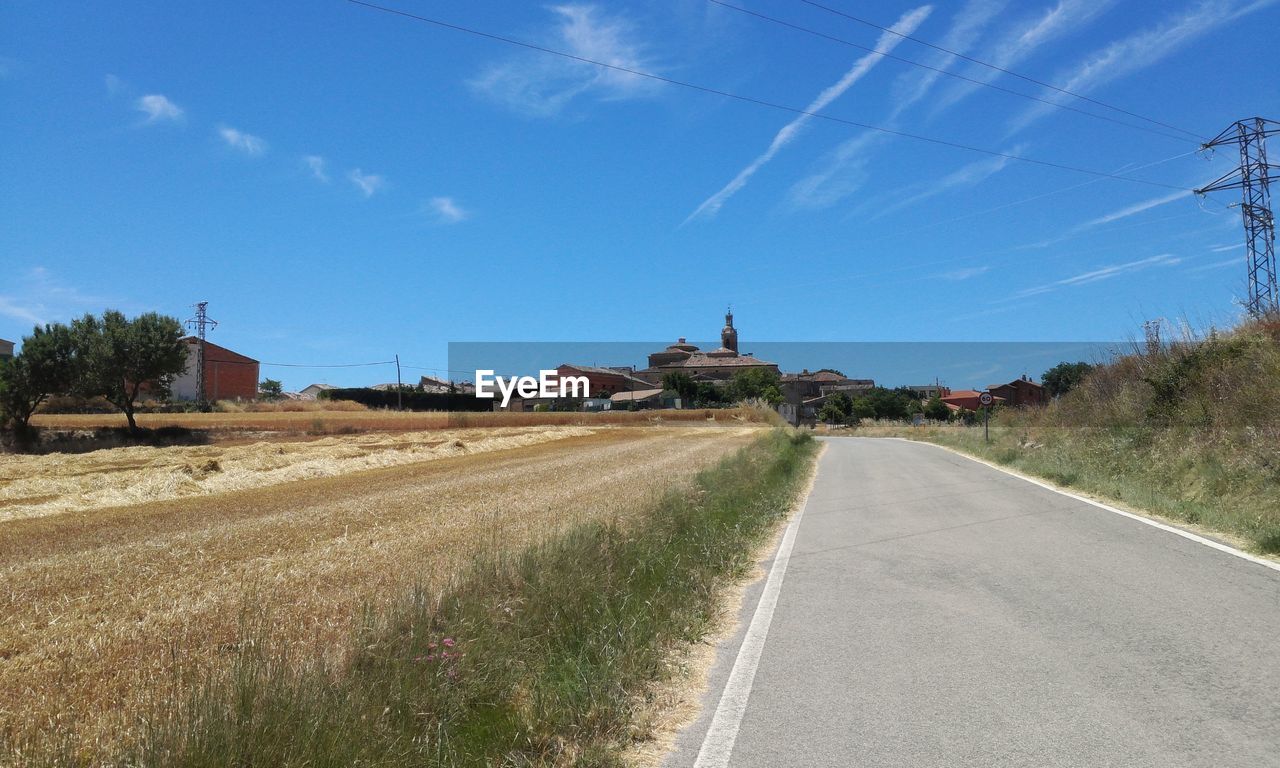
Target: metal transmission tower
{"x":201,"y":323}
{"x":1253,"y":178}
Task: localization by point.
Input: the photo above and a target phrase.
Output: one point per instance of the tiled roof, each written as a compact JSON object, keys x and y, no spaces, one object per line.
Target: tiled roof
{"x":639,"y":394}
{"x":702,"y":361}
{"x":603,"y":371}
{"x":1013,"y":383}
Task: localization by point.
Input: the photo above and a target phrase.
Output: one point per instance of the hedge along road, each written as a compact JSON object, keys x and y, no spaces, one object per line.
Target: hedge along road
{"x":929,"y":610}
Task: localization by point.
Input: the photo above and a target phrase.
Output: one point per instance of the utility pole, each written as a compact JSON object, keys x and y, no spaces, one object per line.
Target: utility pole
{"x":399,"y":387}
{"x":201,"y":323}
{"x":1253,"y":179}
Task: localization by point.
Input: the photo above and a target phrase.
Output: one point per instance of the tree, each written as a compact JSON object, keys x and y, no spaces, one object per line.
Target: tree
{"x":708,"y":395}
{"x":937,"y":410}
{"x":1064,"y":377}
{"x":830,"y":413}
{"x":682,"y":384}
{"x":119,"y":356}
{"x":270,"y":389}
{"x":838,"y":409}
{"x":861,"y":408}
{"x":890,"y":404}
{"x":46,"y":366}
{"x":756,"y":383}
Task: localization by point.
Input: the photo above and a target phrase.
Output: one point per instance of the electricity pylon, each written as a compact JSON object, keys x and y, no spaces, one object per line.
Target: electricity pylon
{"x":201,"y":323}
{"x":1253,"y":178}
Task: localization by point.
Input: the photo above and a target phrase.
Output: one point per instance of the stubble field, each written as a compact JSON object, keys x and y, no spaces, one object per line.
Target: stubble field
{"x":127,"y":573}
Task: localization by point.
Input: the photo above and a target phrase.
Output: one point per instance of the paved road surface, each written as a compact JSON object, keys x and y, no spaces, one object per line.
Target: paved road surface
{"x":937,"y":612}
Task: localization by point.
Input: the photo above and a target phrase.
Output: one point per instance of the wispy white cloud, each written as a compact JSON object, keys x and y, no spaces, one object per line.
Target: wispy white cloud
{"x":1140,"y":50}
{"x":888,"y":40}
{"x":113,"y":84}
{"x":1217,"y":265}
{"x":969,"y":24}
{"x":964,"y":274}
{"x":1131,"y":210}
{"x":245,"y":142}
{"x":966,"y":176}
{"x":542,"y":86}
{"x":1102,"y":273}
{"x":445,"y":211}
{"x":839,"y":174}
{"x":367,"y":183}
{"x":1221,"y":248}
{"x":38,"y":296}
{"x":317,"y":166}
{"x":1022,"y":40}
{"x":158,"y":108}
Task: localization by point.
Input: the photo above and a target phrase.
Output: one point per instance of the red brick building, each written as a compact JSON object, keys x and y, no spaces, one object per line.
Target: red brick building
{"x":967,"y":399}
{"x":1019,"y":392}
{"x":604,"y":381}
{"x":227,"y":375}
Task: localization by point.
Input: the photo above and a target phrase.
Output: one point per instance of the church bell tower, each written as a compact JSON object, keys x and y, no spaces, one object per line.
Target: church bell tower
{"x":729,"y":335}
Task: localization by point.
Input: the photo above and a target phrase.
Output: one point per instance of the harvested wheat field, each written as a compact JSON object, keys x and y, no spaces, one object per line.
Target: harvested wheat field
{"x":346,"y":421}
{"x":122,"y":568}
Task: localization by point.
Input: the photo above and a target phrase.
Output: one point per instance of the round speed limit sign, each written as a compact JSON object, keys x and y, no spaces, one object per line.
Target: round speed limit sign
{"x":985,"y":398}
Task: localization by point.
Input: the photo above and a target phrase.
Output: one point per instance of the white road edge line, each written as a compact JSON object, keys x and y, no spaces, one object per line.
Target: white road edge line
{"x":717,"y":745}
{"x":1145,"y":520}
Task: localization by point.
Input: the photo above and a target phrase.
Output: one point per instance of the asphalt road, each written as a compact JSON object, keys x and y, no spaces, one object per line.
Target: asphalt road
{"x":937,"y":612}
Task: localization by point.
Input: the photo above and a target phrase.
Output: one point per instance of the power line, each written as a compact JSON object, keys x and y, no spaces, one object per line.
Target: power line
{"x":753,"y":100}
{"x":998,"y":68}
{"x":941,"y":71}
{"x":340,"y":365}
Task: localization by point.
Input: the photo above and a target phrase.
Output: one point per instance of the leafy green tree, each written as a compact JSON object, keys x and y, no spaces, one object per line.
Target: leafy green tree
{"x":270,"y":389}
{"x":830,"y":413}
{"x":47,"y":365}
{"x":684,"y":386}
{"x":708,"y":395}
{"x":862,"y":408}
{"x":937,"y":410}
{"x":888,"y":404}
{"x":838,"y":409}
{"x":756,"y":383}
{"x":1064,"y":377}
{"x":120,"y":356}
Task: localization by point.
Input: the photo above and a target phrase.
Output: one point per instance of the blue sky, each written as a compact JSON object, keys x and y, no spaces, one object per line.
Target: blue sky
{"x":343,"y":185}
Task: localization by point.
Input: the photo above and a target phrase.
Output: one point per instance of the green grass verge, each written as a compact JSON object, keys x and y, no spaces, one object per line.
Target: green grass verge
{"x":1227,"y":483}
{"x":544,"y":658}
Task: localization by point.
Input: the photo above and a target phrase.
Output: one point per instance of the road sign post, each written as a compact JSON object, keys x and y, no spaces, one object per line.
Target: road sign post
{"x":985,"y":398}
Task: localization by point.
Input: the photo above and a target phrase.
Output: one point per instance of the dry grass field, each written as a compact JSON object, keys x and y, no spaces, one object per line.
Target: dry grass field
{"x":347,"y":421}
{"x":125,"y":570}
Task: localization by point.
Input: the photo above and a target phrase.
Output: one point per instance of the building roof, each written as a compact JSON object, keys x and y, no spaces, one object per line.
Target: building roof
{"x":626,"y":374}
{"x":318,"y":386}
{"x":218,"y":354}
{"x":705,"y":361}
{"x":6,"y":341}
{"x":636,"y":396}
{"x":1013,"y":383}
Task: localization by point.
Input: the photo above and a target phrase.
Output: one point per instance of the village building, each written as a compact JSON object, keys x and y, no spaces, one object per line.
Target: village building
{"x":604,"y":382}
{"x":6,"y":349}
{"x":719,"y":364}
{"x":312,"y":391}
{"x":1019,"y":392}
{"x":437,"y":386}
{"x":227,"y":375}
{"x":967,"y":400}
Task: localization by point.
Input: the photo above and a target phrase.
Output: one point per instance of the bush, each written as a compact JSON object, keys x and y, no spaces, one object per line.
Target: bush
{"x":412,"y":400}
